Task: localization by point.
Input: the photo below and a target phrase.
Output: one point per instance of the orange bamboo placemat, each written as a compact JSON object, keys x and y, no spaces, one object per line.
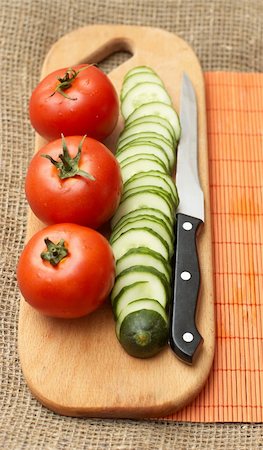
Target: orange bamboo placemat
{"x":234,"y":391}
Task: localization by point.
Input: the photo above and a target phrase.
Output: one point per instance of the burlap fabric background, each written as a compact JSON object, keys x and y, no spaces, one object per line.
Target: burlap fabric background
{"x":226,"y":35}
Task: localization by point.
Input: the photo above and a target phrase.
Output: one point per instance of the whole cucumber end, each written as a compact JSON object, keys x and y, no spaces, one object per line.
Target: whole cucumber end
{"x":143,"y":333}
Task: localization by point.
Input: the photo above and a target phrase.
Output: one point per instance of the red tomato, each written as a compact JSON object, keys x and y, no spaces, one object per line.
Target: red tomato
{"x":76,"y":199}
{"x":75,"y":101}
{"x":76,"y":285}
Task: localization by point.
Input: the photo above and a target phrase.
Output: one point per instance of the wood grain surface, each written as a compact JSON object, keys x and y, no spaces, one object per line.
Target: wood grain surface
{"x":77,"y":367}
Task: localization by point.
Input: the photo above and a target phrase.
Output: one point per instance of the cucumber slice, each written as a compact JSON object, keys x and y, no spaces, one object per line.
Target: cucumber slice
{"x":156,"y":225}
{"x":150,"y":187}
{"x":144,"y":127}
{"x":129,"y":294}
{"x":156,"y":179}
{"x":138,"y":69}
{"x":158,"y":109}
{"x":141,"y":94}
{"x":153,"y":138}
{"x":142,"y":212}
{"x":143,"y":200}
{"x":145,"y":257}
{"x":141,"y":157}
{"x":146,"y":164}
{"x":157,"y":283}
{"x":145,"y":136}
{"x":156,"y":119}
{"x":156,"y":189}
{"x":128,"y":218}
{"x":136,"y":78}
{"x":142,"y":328}
{"x":137,"y":238}
{"x":131,"y":218}
{"x":137,"y":149}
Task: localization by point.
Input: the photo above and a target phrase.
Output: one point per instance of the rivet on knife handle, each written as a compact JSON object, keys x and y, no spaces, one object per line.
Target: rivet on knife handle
{"x":184,"y":337}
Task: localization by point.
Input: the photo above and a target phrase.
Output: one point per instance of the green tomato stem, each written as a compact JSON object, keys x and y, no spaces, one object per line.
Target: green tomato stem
{"x":55,"y":252}
{"x":66,"y":81}
{"x":69,"y":167}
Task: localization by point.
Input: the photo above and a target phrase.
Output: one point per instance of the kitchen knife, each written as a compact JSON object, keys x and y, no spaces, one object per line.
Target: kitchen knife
{"x":184,"y":337}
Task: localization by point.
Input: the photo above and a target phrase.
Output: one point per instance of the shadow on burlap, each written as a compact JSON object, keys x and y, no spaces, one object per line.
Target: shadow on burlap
{"x":226,"y":35}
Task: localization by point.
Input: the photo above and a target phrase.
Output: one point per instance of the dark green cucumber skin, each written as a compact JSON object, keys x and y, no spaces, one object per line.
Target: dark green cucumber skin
{"x":145,"y":322}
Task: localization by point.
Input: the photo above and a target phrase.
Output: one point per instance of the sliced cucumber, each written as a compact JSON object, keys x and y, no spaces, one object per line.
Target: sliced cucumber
{"x":154,"y":224}
{"x":154,"y":119}
{"x":145,"y":257}
{"x":143,"y":93}
{"x":143,"y":127}
{"x":142,"y":236}
{"x":149,"y":187}
{"x":139,"y":77}
{"x":147,"y":164}
{"x":141,"y":156}
{"x":142,"y":328}
{"x":157,"y":108}
{"x":135,"y":238}
{"x":138,"y":149}
{"x":154,"y":138}
{"x":158,"y":190}
{"x":143,"y":200}
{"x":138,"y":69}
{"x":130,"y":293}
{"x":130,"y":218}
{"x":157,"y":283}
{"x":142,"y":212}
{"x":156,"y":179}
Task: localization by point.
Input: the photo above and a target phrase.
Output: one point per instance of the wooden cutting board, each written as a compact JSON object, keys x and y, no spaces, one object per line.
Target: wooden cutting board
{"x":77,"y":367}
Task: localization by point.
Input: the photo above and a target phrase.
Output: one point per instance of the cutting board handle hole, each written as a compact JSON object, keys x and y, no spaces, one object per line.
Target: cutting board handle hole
{"x":111,"y":55}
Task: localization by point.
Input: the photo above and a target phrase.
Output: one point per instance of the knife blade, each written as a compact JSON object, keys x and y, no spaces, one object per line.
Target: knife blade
{"x":184,"y":338}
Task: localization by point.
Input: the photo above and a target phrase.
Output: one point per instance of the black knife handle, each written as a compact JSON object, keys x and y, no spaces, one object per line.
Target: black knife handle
{"x":184,"y":337}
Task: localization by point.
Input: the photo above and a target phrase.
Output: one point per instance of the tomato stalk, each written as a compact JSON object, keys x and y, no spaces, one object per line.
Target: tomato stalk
{"x":69,"y":167}
{"x":66,"y":82}
{"x":55,"y":252}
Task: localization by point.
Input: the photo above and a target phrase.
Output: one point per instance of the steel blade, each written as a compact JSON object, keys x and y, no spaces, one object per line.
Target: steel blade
{"x":187,"y":178}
